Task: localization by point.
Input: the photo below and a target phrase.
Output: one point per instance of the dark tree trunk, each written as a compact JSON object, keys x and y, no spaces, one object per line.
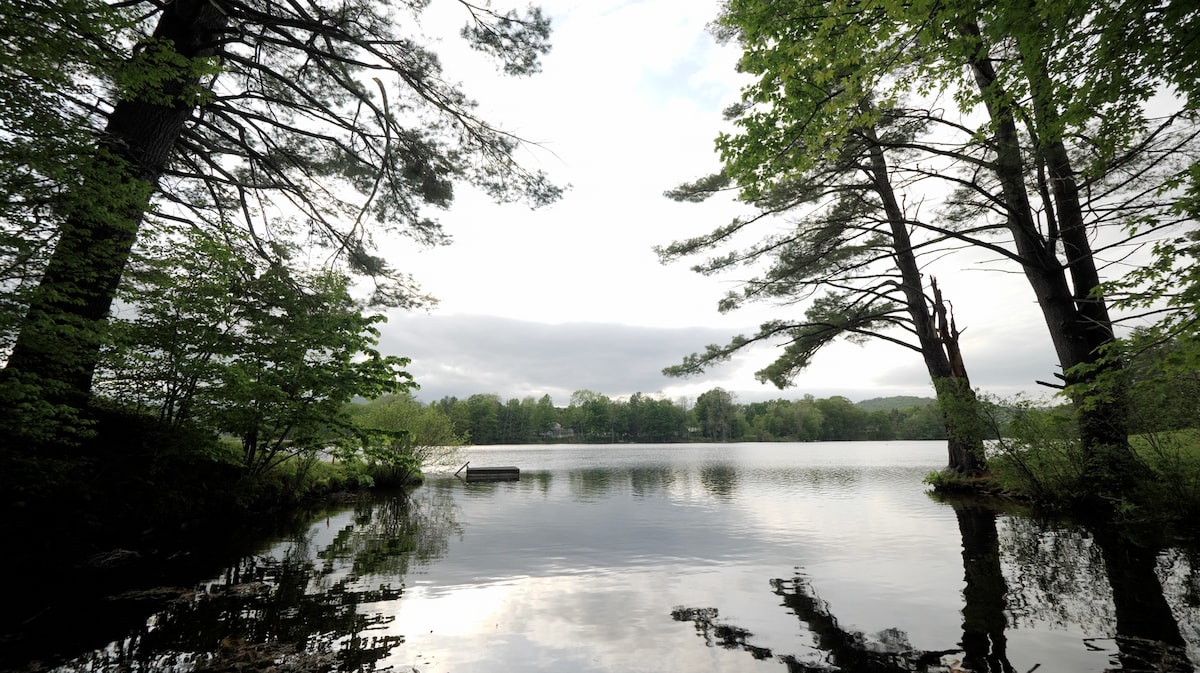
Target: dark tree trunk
{"x":936,"y":335}
{"x":959,"y":405}
{"x":57,"y":350}
{"x":1078,"y":320}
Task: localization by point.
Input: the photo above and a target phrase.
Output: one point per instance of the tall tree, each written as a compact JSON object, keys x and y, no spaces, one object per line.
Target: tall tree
{"x":1057,"y":156}
{"x":1053,"y":138}
{"x":714,"y":413}
{"x":256,"y":350}
{"x":227,"y":110}
{"x":850,"y":241}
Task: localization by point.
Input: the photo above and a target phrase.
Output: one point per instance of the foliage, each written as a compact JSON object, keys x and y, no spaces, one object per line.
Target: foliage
{"x":306,"y":355}
{"x":255,"y":351}
{"x":1036,"y":452}
{"x":303,"y":123}
{"x":1053,"y":141}
{"x":403,"y":436}
{"x":1174,"y":459}
{"x":714,"y":412}
{"x":287,"y":116}
{"x":895,"y":402}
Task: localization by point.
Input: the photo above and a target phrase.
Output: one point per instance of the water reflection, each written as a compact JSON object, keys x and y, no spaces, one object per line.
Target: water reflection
{"x":834,"y":647}
{"x":719,"y":479}
{"x":984,"y":644}
{"x":719,"y":635}
{"x":651,"y":479}
{"x":1108,"y":581}
{"x":386,"y":537}
{"x":803,"y":562}
{"x":1058,"y":574}
{"x":589,"y":483}
{"x":315,"y":602}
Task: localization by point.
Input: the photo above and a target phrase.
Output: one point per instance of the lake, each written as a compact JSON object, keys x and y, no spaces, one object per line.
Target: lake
{"x":682,"y":557}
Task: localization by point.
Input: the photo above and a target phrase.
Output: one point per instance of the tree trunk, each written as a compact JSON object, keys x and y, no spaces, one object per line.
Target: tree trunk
{"x":57,"y":350}
{"x":960,"y":407}
{"x":1079,"y":323}
{"x":939,"y":346}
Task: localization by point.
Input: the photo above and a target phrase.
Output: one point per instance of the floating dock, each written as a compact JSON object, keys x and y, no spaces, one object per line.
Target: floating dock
{"x":490,"y":473}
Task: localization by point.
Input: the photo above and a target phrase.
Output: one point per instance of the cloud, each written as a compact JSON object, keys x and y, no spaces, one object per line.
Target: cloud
{"x":461,"y":355}
{"x":628,"y":105}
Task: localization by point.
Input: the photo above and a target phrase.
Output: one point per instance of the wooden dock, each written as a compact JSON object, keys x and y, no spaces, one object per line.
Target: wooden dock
{"x":490,"y":473}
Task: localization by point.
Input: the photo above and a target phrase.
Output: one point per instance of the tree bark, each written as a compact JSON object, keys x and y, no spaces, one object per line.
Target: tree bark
{"x":939,"y":346}
{"x":1078,"y":320}
{"x":57,"y":350}
{"x":959,"y":405}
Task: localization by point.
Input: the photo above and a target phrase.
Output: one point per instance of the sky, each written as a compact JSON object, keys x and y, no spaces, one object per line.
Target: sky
{"x":572,"y":296}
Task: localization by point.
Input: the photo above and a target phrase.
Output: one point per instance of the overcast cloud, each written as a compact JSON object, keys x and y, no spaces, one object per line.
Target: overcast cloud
{"x":462,"y":355}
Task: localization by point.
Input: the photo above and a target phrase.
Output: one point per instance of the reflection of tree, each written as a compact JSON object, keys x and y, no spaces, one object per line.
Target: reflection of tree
{"x":1052,"y":573}
{"x":719,"y":479}
{"x":887,"y":652}
{"x":1148,"y":636}
{"x":719,"y":635}
{"x":590,"y":482}
{"x":301,"y":609}
{"x":984,"y":643}
{"x":1058,"y":570}
{"x":262,"y":614}
{"x":641,"y":480}
{"x":850,"y":650}
{"x":651,"y":479}
{"x":536,"y":480}
{"x":388,"y":535}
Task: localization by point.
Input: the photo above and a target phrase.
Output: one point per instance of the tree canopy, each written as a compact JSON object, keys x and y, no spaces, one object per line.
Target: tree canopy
{"x":322,"y":124}
{"x":1057,"y":138}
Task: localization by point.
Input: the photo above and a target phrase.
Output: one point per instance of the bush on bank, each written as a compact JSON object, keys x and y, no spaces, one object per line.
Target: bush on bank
{"x":138,"y":483}
{"x":1036,"y":455}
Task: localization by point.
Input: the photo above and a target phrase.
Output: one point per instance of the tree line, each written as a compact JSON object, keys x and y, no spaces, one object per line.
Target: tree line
{"x":714,"y":416}
{"x":1160,"y":403}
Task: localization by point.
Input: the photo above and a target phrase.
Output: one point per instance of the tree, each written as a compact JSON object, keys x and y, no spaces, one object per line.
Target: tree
{"x":1059,"y":155}
{"x":1025,"y":64}
{"x":178,"y":327}
{"x":714,"y":412}
{"x":596,"y":414}
{"x":266,"y":355}
{"x":229,"y":110}
{"x":302,"y":357}
{"x":545,"y":415}
{"x":1164,"y":355}
{"x":481,"y":414}
{"x":814,"y":142}
{"x":403,"y":434}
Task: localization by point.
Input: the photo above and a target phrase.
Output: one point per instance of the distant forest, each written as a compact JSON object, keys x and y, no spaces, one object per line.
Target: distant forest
{"x":715,"y":416}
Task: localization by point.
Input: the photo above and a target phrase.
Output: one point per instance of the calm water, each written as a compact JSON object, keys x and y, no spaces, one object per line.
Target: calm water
{"x":745,"y":557}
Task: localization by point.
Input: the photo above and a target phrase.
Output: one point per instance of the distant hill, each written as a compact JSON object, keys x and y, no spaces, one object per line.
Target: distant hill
{"x":897,"y":402}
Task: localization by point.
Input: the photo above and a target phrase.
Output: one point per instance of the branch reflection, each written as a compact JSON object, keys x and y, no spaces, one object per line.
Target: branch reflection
{"x":303,"y":605}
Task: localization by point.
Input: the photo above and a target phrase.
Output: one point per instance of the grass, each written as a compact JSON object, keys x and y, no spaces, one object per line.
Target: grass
{"x":1049,"y":470}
